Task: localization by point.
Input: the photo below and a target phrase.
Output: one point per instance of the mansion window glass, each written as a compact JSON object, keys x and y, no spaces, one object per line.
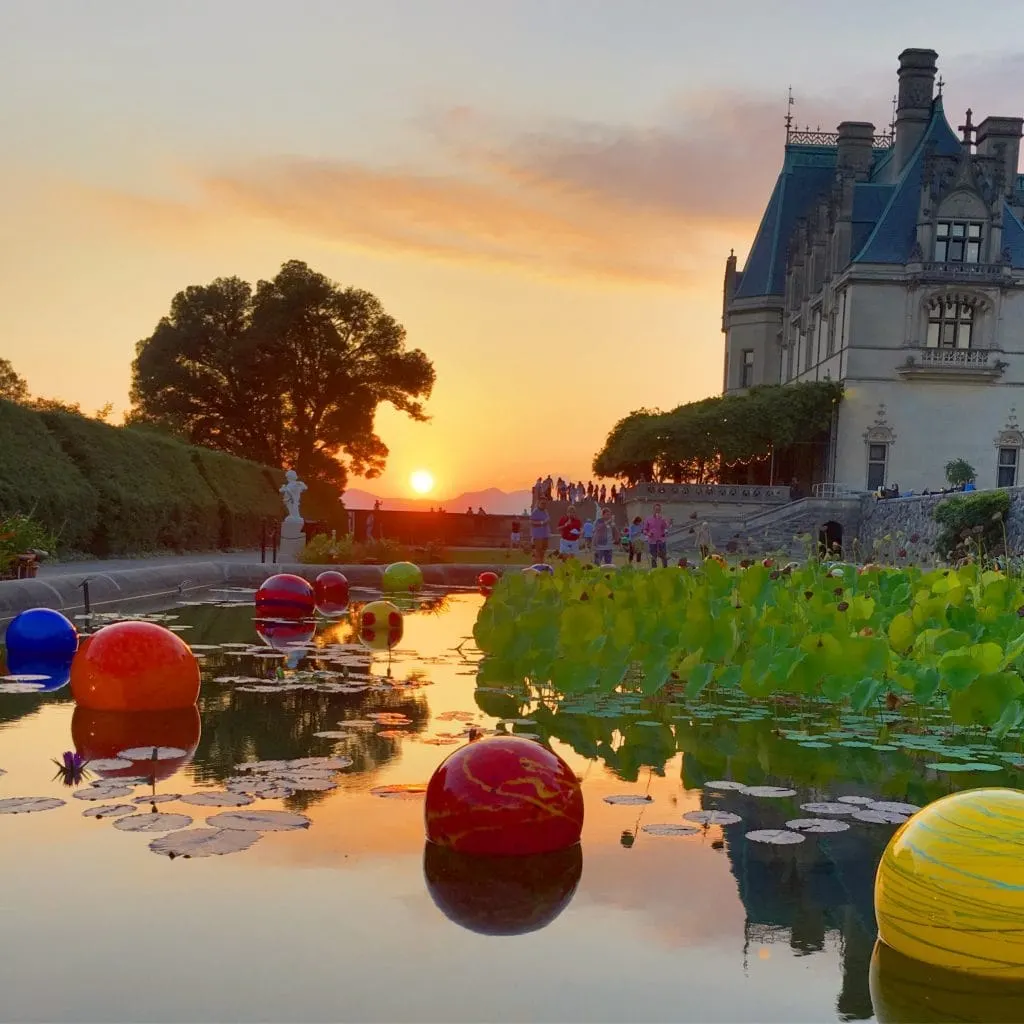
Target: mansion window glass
{"x":1006,"y":469}
{"x":877,"y":458}
{"x":957,"y":241}
{"x":950,"y":324}
{"x":747,"y":368}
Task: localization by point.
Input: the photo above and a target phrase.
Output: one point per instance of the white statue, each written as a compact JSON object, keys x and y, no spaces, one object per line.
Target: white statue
{"x":292,"y":493}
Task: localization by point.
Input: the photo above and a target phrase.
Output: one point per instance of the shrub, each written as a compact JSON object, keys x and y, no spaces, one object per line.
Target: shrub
{"x":151,"y":495}
{"x":325,"y":550}
{"x":20,"y":534}
{"x":38,"y":479}
{"x":967,"y":519}
{"x":959,"y":472}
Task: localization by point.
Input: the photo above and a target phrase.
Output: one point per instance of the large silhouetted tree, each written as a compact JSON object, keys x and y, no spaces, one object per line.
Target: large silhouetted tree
{"x":290,"y":374}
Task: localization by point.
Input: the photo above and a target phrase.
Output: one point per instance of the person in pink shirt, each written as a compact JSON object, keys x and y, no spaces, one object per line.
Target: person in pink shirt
{"x":656,"y":532}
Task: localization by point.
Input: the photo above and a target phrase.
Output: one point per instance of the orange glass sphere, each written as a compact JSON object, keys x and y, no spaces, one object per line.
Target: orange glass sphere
{"x":134,"y":666}
{"x":502,"y":895}
{"x":104,"y":734}
{"x":504,"y":796}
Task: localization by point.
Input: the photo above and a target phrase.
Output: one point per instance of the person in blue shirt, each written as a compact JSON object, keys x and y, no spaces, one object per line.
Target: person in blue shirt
{"x":588,"y":534}
{"x":540,"y":529}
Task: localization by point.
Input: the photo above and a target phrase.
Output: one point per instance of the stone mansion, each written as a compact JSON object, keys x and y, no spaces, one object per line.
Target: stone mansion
{"x":894,"y":264}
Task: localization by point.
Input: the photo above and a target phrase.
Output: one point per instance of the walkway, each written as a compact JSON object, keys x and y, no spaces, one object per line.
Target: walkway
{"x":101,"y":565}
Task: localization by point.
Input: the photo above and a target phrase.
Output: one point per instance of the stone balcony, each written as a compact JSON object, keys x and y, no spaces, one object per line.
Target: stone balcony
{"x":956,"y":365}
{"x":980,"y":273}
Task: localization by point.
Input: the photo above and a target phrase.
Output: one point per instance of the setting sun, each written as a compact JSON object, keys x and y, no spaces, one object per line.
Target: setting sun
{"x":422,"y":482}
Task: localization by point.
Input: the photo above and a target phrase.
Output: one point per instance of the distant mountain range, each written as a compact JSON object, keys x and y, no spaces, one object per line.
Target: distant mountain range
{"x":492,"y":500}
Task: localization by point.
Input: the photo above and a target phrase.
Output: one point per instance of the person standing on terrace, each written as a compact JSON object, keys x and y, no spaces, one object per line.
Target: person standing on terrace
{"x":540,"y":529}
{"x":656,"y":532}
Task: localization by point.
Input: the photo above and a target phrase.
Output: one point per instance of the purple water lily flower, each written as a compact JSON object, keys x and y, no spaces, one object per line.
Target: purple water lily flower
{"x":71,"y":768}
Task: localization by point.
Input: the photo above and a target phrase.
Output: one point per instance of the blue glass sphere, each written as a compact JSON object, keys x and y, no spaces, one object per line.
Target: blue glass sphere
{"x":41,"y":633}
{"x":53,"y":673}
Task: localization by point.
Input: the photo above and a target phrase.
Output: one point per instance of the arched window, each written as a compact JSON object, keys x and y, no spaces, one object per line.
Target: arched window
{"x":950,"y":323}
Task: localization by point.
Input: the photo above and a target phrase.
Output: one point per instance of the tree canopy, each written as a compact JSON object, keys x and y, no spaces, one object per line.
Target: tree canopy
{"x":289,"y":374}
{"x":12,"y":384}
{"x":698,"y":441}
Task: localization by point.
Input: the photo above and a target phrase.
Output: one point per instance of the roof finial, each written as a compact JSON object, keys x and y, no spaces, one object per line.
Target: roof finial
{"x":892,"y":122}
{"x":967,"y":128}
{"x":789,"y":114}
{"x":940,"y":83}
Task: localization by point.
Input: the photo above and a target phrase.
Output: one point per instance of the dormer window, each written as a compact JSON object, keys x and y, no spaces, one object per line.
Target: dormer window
{"x":950,"y":323}
{"x":958,"y":241}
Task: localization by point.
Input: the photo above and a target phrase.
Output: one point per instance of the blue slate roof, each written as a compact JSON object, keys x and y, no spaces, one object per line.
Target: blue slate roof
{"x":807,"y":173}
{"x":1013,"y":236}
{"x":884,"y":228}
{"x":893,"y":237}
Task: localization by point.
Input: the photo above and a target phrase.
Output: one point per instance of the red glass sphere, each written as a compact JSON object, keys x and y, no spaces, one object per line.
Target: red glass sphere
{"x":504,"y":796}
{"x":285,"y":596}
{"x":331,"y":592}
{"x":487,"y":579}
{"x":502,"y":895}
{"x":134,"y":666}
{"x":104,"y":734}
{"x":281,"y":635}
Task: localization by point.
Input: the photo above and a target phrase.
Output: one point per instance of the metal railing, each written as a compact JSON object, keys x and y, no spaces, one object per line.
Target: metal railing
{"x":966,"y":357}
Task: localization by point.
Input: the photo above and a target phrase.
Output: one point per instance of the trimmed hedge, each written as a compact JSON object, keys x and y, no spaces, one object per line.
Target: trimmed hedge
{"x":38,"y":479}
{"x":124,"y":490}
{"x":246,"y":495}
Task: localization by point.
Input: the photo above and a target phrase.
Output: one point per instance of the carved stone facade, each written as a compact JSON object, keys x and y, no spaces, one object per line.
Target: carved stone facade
{"x":894,"y":264}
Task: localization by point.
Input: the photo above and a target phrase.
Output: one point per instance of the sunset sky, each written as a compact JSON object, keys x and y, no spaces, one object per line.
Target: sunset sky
{"x":543,"y":192}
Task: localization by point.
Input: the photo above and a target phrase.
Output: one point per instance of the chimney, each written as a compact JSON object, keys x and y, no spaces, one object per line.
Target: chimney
{"x":856,"y":143}
{"x":914,"y":106}
{"x":999,"y":138}
{"x":729,"y":287}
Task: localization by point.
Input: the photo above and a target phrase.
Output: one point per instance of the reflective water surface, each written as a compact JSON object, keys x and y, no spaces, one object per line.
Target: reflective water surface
{"x":353,"y":919}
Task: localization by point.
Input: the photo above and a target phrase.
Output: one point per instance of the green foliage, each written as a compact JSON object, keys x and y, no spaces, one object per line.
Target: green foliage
{"x":692,"y":441}
{"x":819,"y":634}
{"x":38,"y":479}
{"x":13,"y":387}
{"x":246,"y":495}
{"x":289,"y":374}
{"x":971,"y":521}
{"x":959,"y":472}
{"x":325,"y":550}
{"x":20,"y":534}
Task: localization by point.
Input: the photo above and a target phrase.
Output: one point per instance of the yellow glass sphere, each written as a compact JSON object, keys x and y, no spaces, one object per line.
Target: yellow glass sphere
{"x":950,"y":888}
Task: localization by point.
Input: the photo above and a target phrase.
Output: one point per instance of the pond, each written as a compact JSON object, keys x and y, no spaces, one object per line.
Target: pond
{"x":350,"y":918}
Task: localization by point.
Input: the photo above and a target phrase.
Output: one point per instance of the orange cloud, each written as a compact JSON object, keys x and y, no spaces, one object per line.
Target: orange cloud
{"x":623,"y":204}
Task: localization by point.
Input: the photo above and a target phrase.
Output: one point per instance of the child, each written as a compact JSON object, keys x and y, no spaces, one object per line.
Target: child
{"x":588,"y":534}
{"x":636,"y":540}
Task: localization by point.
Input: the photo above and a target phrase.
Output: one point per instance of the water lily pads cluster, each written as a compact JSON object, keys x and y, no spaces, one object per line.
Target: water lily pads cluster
{"x":847,"y":635}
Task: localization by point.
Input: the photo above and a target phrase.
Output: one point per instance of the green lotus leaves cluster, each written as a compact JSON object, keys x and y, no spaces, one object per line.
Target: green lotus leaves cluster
{"x":832,"y":632}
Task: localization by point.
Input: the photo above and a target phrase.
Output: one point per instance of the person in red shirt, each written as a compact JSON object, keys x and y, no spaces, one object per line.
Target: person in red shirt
{"x":570,"y":526}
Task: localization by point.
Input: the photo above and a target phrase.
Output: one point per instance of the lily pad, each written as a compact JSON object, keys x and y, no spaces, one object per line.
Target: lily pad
{"x":724,"y":784}
{"x":982,"y":766}
{"x":712,"y":817}
{"x":628,"y":798}
{"x":155,"y":821}
{"x":817,"y":825}
{"x":855,"y":800}
{"x":260,"y":788}
{"x":109,"y":811}
{"x":893,"y":807}
{"x":334,"y":734}
{"x":152,"y":753}
{"x":108,"y":764}
{"x":259,"y":821}
{"x":947,"y":766}
{"x":103,"y":792}
{"x":768,"y":792}
{"x":29,"y":804}
{"x":880,"y":817}
{"x":829,"y":808}
{"x":204,"y":842}
{"x":157,"y":798}
{"x":401,"y":790}
{"x":670,"y":830}
{"x":16,"y":687}
{"x":306,"y":783}
{"x":217,"y":799}
{"x":775,"y":836}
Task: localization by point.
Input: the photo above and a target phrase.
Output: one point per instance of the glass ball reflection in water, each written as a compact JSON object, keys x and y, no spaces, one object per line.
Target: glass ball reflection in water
{"x":504,"y":796}
{"x":502,"y":895}
{"x":135,"y":666}
{"x":56,"y":672}
{"x":285,"y":596}
{"x":41,"y":633}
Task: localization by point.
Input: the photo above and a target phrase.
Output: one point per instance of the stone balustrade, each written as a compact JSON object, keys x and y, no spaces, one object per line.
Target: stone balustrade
{"x":755,"y":494}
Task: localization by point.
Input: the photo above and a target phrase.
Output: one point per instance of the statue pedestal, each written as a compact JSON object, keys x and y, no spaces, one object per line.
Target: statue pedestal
{"x":293,"y":540}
